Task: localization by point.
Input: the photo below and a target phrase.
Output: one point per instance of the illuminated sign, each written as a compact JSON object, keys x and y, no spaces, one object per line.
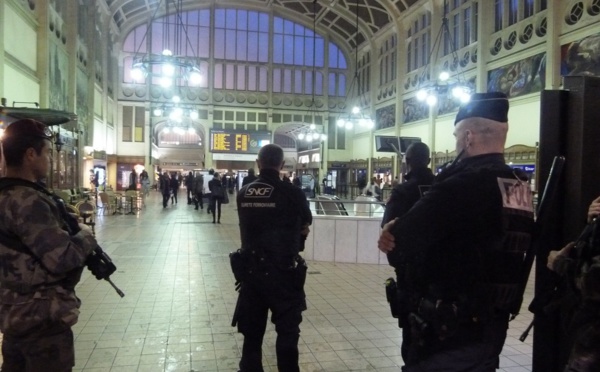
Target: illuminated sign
{"x":224,"y":141}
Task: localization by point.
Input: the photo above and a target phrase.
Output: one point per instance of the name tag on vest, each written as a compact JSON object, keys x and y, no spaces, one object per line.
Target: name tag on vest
{"x":515,"y":194}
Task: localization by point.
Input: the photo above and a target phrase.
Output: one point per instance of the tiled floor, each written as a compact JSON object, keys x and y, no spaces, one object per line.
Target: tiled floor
{"x":173,"y":266}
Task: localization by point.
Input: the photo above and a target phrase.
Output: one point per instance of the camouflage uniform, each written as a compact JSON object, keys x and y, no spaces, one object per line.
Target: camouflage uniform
{"x":40,"y":264}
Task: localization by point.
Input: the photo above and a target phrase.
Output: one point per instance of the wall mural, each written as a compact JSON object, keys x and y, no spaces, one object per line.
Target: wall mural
{"x":385,"y":117}
{"x":581,"y":57}
{"x":414,"y":110}
{"x":523,"y":77}
{"x":58,"y":78}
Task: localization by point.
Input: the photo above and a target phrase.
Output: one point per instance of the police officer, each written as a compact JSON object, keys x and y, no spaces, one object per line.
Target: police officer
{"x":41,"y":262}
{"x":463,"y":244}
{"x":274,"y":219}
{"x":418,"y":180}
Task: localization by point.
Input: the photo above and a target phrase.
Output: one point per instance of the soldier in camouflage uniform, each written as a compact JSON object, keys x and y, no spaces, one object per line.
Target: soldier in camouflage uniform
{"x":40,"y":262}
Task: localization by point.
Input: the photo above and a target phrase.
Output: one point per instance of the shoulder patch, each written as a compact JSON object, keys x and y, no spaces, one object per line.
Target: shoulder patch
{"x":516,"y":194}
{"x":258,"y":190}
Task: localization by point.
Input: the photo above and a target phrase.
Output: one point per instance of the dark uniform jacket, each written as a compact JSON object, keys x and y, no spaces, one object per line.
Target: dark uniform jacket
{"x":466,"y":237}
{"x":249,"y":178}
{"x":40,"y":262}
{"x":272,"y":213}
{"x":406,"y":194}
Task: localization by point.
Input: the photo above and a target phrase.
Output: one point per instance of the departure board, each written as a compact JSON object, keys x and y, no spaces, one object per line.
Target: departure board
{"x":238,"y":142}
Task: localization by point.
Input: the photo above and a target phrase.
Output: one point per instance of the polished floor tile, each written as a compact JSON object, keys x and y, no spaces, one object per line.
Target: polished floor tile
{"x":174,"y":269}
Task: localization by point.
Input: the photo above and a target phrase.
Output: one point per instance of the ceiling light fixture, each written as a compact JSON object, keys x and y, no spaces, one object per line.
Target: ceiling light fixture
{"x":170,"y":67}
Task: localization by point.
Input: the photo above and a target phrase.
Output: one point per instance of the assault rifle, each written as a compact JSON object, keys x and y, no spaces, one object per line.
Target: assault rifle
{"x":542,"y":211}
{"x":98,"y":262}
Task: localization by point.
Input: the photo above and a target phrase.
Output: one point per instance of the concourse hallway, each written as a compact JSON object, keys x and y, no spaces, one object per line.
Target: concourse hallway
{"x":173,"y":266}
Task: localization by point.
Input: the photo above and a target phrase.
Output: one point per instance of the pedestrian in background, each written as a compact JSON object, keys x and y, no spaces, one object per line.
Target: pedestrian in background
{"x":189,"y":187}
{"x":165,"y":187}
{"x":174,"y":183}
{"x":217,"y":191}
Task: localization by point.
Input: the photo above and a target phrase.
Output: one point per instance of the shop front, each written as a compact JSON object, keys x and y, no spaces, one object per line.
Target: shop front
{"x":338,"y":177}
{"x":358,"y":177}
{"x":307,"y":168}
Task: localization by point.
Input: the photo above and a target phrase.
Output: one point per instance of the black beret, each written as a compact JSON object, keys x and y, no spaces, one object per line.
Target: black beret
{"x":27,"y":128}
{"x":492,"y":105}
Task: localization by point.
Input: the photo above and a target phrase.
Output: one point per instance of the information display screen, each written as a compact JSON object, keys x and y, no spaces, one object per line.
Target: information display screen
{"x":238,"y":142}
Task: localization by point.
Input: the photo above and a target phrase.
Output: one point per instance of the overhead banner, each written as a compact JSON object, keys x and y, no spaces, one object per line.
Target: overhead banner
{"x":234,"y":142}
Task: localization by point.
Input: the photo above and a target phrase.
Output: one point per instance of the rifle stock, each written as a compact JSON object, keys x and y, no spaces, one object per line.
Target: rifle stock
{"x":542,"y":211}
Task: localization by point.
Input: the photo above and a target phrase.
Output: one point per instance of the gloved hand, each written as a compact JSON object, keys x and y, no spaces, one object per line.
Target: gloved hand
{"x":100,"y":268}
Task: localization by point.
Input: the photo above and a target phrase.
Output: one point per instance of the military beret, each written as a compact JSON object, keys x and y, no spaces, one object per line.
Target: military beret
{"x":27,"y":128}
{"x":492,"y":105}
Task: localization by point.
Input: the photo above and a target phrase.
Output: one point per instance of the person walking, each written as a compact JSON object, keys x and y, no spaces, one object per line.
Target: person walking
{"x":462,"y":246}
{"x":189,"y":187}
{"x":145,"y":182}
{"x":198,"y":189}
{"x":217,"y":192}
{"x":42,"y":257}
{"x":132,"y":180}
{"x":165,"y":188}
{"x":174,"y":183}
{"x":274,"y":221}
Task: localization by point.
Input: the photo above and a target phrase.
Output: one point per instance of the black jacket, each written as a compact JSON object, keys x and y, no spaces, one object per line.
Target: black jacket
{"x":249,"y":178}
{"x":272,"y":214}
{"x":468,"y":232}
{"x":406,"y":194}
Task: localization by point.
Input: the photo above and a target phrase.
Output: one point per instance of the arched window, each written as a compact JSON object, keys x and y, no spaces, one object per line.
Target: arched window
{"x":240,"y":50}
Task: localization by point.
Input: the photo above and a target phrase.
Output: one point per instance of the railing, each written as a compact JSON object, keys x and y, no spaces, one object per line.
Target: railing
{"x":352,"y":191}
{"x":344,"y":207}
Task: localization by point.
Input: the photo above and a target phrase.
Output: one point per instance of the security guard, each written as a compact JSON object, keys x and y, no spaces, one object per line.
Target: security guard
{"x":418,"y":181}
{"x":463,"y":244}
{"x":274,"y":219}
{"x":41,"y":262}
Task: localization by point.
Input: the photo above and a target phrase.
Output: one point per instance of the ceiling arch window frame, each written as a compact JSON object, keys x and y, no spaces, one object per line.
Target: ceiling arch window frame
{"x":510,"y":12}
{"x":240,"y":48}
{"x":387,"y":60}
{"x":419,"y":42}
{"x":462,"y":17}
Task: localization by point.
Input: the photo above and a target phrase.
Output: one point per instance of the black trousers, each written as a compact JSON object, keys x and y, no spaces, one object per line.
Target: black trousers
{"x":198,"y":200}
{"x":46,"y":349}
{"x":165,"y":199}
{"x":473,"y":348}
{"x":279,"y":293}
{"x":216,"y":207}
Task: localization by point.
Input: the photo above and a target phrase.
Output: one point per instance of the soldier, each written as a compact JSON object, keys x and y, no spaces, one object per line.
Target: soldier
{"x":274,"y":219}
{"x":41,"y":261}
{"x":418,"y":180}
{"x":462,"y":245}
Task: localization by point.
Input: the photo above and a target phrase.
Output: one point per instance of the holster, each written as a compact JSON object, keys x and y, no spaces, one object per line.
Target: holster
{"x":398,"y":300}
{"x":238,"y":262}
{"x":391,"y":294}
{"x":300,"y":271}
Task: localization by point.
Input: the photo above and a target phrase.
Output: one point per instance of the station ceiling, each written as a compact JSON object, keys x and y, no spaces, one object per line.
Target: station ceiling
{"x":337,"y":16}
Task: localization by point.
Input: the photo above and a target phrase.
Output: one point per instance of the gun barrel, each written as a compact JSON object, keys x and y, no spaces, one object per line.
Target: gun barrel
{"x":119,"y":292}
